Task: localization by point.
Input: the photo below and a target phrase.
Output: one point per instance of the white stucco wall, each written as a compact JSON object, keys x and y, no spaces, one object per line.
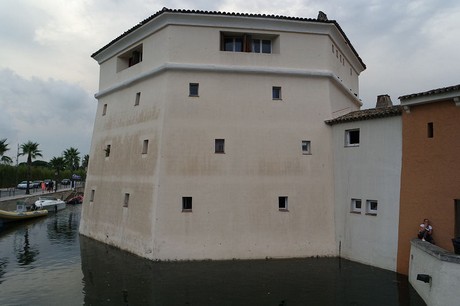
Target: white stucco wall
{"x":125,"y":127}
{"x":235,"y":195}
{"x":442,"y":267}
{"x":297,"y":46}
{"x":370,"y":171}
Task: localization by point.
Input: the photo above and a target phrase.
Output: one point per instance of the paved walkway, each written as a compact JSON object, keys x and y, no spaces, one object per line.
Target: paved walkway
{"x":14,"y":194}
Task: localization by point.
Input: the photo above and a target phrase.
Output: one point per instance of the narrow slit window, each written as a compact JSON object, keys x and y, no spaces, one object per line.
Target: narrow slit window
{"x":283,"y":203}
{"x":145,"y":146}
{"x":186,"y":204}
{"x":430,"y":130}
{"x":138,"y":99}
{"x":276,"y":93}
{"x":104,"y":109}
{"x":219,"y":146}
{"x":91,"y":198}
{"x":107,"y":150}
{"x":193,"y":89}
{"x":126,"y":200}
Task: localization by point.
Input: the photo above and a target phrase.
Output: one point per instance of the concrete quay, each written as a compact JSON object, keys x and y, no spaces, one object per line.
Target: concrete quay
{"x":9,"y":202}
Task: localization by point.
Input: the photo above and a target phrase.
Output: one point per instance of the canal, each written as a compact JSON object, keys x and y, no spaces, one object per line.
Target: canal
{"x":46,"y":262}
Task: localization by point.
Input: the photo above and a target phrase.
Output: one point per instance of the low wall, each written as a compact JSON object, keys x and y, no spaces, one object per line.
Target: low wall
{"x":10,"y":202}
{"x":442,"y":269}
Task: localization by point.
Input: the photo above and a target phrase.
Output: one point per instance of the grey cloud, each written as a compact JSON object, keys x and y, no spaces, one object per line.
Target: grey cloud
{"x":50,"y":112}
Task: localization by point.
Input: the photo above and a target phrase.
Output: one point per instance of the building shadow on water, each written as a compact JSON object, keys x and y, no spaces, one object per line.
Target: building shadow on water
{"x":114,"y":277}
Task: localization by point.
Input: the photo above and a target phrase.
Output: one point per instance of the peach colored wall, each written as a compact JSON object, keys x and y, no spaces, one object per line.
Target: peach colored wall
{"x":430,"y":175}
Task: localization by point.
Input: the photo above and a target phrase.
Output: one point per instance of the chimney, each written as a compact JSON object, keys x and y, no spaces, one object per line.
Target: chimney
{"x":383,"y":101}
{"x":322,"y":16}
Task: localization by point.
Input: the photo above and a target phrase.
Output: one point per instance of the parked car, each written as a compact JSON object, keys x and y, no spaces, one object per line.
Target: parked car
{"x":37,"y":184}
{"x":65,"y":182}
{"x":23,"y":185}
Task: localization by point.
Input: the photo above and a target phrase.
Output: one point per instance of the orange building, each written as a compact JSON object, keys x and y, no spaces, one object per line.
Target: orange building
{"x":430,"y":175}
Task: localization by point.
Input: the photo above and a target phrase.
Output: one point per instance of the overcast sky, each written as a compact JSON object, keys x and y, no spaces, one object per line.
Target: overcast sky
{"x":48,"y":79}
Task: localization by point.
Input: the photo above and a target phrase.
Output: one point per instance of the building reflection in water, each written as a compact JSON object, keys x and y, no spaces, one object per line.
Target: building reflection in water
{"x":114,"y":277}
{"x":25,"y":253}
{"x":3,"y":265}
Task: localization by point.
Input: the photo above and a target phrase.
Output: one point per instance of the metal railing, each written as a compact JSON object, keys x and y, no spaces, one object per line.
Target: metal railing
{"x":7,"y":192}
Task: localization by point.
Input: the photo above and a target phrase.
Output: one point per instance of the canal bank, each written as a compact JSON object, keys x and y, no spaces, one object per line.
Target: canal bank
{"x":8,"y":203}
{"x":76,"y":270}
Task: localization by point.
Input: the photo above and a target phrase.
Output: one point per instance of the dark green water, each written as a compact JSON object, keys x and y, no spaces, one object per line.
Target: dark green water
{"x":46,"y":262}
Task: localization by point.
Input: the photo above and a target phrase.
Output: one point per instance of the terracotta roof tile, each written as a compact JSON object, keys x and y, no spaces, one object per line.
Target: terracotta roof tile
{"x":431,"y":92}
{"x":367,"y":114}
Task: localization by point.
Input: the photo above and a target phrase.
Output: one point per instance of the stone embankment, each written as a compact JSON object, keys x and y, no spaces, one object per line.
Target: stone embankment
{"x":9,"y":203}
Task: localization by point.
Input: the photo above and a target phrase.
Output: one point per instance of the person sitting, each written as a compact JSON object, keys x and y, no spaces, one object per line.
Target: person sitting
{"x":426,"y":231}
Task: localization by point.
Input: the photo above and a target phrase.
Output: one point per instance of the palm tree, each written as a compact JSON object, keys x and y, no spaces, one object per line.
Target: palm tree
{"x":72,"y":158}
{"x":85,"y":161}
{"x":3,"y":148}
{"x":58,"y":164}
{"x":31,"y":150}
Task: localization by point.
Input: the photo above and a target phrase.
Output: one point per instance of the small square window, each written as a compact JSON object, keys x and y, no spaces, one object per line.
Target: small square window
{"x":129,"y":58}
{"x":430,"y":130}
{"x":283,"y":203}
{"x":371,"y":207}
{"x":352,"y":138}
{"x":126,"y":200}
{"x":306,"y":147}
{"x":104,"y":109}
{"x":193,"y":89}
{"x":138,"y":99}
{"x":356,"y":205}
{"x":145,"y":146}
{"x":276,"y":93}
{"x":91,"y":198}
{"x":186,"y":203}
{"x":107,"y":150}
{"x":219,"y":146}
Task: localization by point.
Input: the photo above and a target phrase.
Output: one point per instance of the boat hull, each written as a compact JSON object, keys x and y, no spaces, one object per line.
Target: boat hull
{"x":51,"y":206}
{"x":11,"y":216}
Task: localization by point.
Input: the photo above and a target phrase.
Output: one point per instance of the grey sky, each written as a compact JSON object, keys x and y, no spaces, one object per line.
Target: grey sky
{"x":48,"y":79}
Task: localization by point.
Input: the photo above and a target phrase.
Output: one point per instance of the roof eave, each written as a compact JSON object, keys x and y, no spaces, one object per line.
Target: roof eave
{"x":166,"y":16}
{"x":430,"y":98}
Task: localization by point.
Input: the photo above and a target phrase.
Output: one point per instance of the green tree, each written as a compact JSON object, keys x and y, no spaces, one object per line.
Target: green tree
{"x":72,"y":158}
{"x":85,"y":161}
{"x":3,"y":148}
{"x":58,"y":164}
{"x":31,"y":150}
